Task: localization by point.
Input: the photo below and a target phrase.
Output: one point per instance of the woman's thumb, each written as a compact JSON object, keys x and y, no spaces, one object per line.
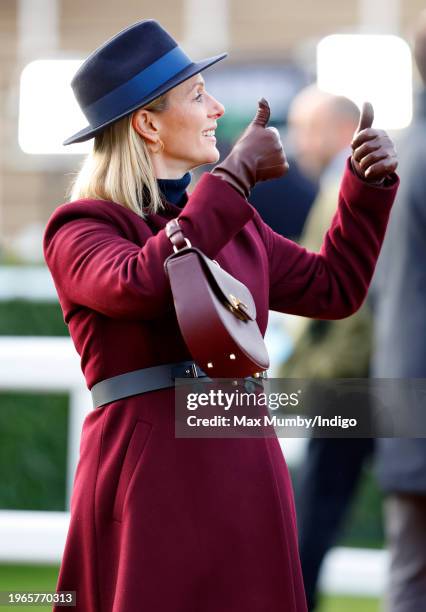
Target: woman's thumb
{"x":367,"y":117}
{"x":262,"y":114}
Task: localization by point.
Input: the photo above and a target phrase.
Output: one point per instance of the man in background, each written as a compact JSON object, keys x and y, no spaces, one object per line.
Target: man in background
{"x":323,"y":127}
{"x":285,"y":202}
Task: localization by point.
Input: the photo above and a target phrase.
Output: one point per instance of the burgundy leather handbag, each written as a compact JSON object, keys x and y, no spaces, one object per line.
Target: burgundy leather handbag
{"x":215,"y":311}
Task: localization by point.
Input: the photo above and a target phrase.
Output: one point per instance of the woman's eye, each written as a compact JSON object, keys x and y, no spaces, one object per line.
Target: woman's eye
{"x":199,"y":96}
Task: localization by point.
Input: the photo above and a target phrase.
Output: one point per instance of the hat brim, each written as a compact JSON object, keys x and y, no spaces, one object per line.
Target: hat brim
{"x":90,"y":132}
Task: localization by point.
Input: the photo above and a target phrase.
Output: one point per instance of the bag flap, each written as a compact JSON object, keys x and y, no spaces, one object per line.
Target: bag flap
{"x":229,"y":289}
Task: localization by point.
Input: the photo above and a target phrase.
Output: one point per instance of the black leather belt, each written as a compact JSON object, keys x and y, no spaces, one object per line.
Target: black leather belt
{"x":148,"y":379}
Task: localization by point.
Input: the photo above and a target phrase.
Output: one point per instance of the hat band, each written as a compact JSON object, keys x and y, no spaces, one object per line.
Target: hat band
{"x":137,"y":88}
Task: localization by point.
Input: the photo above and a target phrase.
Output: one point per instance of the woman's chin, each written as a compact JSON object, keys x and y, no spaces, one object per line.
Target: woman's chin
{"x":212,"y":157}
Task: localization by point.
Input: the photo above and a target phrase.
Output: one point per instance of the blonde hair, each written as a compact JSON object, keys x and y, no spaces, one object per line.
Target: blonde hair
{"x":119,"y":168}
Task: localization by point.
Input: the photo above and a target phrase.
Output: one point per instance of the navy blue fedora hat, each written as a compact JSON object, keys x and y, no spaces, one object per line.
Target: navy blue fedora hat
{"x":129,"y":70}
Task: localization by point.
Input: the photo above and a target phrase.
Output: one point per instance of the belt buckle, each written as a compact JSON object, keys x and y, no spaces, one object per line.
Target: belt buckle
{"x":194,"y":370}
{"x":191,"y":371}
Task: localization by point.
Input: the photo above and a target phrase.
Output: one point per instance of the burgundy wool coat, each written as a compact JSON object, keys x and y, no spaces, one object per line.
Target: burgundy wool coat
{"x":165,"y":524}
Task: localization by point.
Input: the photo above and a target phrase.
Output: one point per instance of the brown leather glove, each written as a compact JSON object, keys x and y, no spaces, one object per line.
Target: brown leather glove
{"x":256,"y":156}
{"x":374,"y":155}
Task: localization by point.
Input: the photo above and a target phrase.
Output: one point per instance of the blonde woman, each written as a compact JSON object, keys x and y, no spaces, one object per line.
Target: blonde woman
{"x":160,"y":523}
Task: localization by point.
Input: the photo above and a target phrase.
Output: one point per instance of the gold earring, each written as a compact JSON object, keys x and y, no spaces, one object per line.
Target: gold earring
{"x":159,"y":148}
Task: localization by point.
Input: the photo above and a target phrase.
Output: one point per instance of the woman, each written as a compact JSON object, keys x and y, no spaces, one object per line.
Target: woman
{"x":157,"y":522}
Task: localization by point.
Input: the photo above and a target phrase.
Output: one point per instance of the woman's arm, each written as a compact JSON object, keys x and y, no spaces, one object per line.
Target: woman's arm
{"x":95,"y":264}
{"x":333,"y":283}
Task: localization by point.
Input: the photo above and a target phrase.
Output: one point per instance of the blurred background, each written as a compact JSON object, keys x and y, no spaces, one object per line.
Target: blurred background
{"x":359,"y":49}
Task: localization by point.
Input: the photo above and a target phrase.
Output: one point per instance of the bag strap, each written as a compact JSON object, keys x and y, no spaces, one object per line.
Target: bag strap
{"x":175,"y":234}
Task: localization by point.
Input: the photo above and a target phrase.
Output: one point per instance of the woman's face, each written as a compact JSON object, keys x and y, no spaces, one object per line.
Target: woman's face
{"x":187,"y":128}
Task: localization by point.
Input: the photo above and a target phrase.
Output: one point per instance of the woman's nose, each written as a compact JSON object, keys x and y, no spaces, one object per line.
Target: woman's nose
{"x":217,"y":108}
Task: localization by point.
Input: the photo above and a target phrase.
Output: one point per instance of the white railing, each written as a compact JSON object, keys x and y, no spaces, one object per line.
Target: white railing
{"x":27,"y":282}
{"x":32,"y":536}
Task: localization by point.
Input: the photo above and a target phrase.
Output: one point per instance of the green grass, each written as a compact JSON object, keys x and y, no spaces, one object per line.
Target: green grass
{"x":43,"y":578}
{"x":348,"y":604}
{"x":35,"y":578}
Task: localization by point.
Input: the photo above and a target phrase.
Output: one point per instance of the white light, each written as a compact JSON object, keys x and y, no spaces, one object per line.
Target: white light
{"x":232,"y":356}
{"x":48,"y":111}
{"x":209,"y":365}
{"x":373,"y":68}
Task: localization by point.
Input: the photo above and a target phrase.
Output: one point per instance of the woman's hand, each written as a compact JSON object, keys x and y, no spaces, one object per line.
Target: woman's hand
{"x":256,"y":156}
{"x":374,"y":155}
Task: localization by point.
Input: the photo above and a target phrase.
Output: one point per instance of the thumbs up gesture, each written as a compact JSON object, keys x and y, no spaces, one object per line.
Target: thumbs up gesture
{"x":374,"y":155}
{"x":257,"y":155}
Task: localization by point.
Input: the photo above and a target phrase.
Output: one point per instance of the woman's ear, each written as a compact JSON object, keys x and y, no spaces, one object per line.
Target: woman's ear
{"x":145,"y":124}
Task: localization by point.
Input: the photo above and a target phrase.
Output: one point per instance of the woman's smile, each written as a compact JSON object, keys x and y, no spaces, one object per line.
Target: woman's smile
{"x":210,"y":134}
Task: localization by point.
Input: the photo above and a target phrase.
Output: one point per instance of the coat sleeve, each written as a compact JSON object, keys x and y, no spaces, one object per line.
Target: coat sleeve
{"x":94,"y":264}
{"x":333,"y":283}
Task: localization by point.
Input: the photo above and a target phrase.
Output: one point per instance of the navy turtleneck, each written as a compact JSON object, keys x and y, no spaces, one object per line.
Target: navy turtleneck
{"x":174,"y":189}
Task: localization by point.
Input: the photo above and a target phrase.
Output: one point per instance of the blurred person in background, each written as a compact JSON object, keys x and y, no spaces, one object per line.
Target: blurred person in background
{"x":323,"y":128}
{"x":398,"y":294}
{"x":158,"y":522}
{"x":295,"y":192}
